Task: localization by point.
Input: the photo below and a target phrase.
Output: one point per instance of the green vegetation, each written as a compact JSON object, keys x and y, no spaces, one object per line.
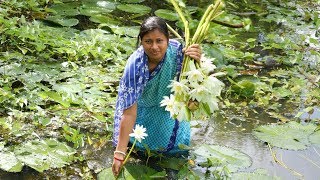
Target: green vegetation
{"x":61,"y":60}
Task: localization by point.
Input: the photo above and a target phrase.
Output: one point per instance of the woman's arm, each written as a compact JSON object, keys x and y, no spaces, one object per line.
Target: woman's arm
{"x":128,"y":120}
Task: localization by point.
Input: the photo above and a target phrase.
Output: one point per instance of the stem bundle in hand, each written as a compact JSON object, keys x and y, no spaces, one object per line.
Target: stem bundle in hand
{"x":195,"y":94}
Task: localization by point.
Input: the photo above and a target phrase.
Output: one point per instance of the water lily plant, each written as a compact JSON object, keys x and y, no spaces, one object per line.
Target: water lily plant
{"x":196,"y":95}
{"x":196,"y":92}
{"x":138,"y":134}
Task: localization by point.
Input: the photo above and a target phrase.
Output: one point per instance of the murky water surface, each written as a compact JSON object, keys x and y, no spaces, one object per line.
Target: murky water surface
{"x":303,"y":164}
{"x":234,"y":132}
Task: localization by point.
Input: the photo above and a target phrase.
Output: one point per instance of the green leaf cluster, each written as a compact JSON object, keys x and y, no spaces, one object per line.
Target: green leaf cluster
{"x":37,"y":154}
{"x":292,"y":135}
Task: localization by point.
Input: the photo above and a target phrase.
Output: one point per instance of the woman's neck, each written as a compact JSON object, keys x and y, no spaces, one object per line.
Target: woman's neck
{"x":152,"y":65}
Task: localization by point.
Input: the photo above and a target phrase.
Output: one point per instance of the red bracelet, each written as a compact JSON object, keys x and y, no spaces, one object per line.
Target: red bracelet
{"x":118,"y":159}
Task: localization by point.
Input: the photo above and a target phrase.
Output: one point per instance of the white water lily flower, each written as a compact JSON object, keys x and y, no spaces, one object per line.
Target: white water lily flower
{"x":139,"y":133}
{"x":212,"y":103}
{"x":179,"y":88}
{"x":213,"y":85}
{"x":169,"y":103}
{"x":195,"y":76}
{"x":199,"y":93}
{"x":206,"y":65}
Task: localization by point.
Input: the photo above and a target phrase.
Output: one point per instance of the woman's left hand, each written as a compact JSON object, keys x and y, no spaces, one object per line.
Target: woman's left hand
{"x":193,"y":51}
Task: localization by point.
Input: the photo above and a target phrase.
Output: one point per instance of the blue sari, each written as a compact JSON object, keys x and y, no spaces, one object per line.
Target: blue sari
{"x":147,"y":89}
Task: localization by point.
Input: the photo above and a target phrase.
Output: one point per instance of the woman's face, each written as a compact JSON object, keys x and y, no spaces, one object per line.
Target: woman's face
{"x":155,"y":44}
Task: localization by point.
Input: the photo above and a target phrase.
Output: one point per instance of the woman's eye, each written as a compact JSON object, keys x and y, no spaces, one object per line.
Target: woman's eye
{"x":159,"y":41}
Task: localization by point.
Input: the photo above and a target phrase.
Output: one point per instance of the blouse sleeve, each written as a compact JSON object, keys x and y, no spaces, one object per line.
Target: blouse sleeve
{"x":135,"y":77}
{"x":133,"y":80}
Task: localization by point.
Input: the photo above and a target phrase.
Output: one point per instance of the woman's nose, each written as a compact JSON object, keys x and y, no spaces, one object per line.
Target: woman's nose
{"x":154,"y":45}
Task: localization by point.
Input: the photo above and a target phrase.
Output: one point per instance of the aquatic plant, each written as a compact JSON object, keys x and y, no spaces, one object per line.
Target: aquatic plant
{"x":195,"y":92}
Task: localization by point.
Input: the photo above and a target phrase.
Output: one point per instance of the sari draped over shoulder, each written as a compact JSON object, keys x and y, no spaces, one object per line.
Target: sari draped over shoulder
{"x":138,"y":85}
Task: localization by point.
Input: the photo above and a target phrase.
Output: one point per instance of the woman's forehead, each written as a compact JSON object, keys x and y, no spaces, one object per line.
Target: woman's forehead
{"x":154,"y":34}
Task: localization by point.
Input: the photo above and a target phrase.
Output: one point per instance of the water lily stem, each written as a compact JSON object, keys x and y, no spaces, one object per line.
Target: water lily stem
{"x":211,"y":12}
{"x":282,"y":163}
{"x":174,"y":32}
{"x":127,"y":157}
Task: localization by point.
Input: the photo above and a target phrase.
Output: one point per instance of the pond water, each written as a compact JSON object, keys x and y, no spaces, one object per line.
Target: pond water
{"x":236,"y":134}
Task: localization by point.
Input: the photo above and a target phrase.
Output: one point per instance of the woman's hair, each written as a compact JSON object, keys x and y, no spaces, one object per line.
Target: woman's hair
{"x":152,"y":23}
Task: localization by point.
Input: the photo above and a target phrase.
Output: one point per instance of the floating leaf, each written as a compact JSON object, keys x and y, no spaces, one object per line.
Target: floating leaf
{"x":55,"y":97}
{"x":98,"y":3}
{"x":100,"y":18}
{"x":44,"y":154}
{"x":130,"y":172}
{"x":66,"y":9}
{"x":291,"y":135}
{"x":172,"y":163}
{"x":63,"y":21}
{"x":9,"y":162}
{"x":99,"y":7}
{"x":69,"y":88}
{"x":134,"y":8}
{"x":315,"y":138}
{"x":232,"y":159}
{"x":282,"y":92}
{"x":167,"y":14}
{"x":94,"y":11}
{"x":244,"y":88}
{"x":132,"y":31}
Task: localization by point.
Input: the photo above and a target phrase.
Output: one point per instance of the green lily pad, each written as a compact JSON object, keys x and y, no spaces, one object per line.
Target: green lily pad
{"x":66,"y":9}
{"x":315,"y":138}
{"x":291,"y":135}
{"x":232,"y":159}
{"x":101,"y":18}
{"x":99,"y":3}
{"x":55,"y":97}
{"x":63,"y":21}
{"x":134,"y":8}
{"x":244,"y":88}
{"x":167,"y":14}
{"x":45,"y":154}
{"x":132,"y":31}
{"x":172,"y":163}
{"x":98,"y":7}
{"x":260,"y":174}
{"x":282,"y":92}
{"x":131,"y":172}
{"x":94,"y":11}
{"x":9,"y":162}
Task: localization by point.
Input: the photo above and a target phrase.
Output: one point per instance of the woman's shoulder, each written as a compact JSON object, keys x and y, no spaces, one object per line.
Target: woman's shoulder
{"x":175,"y":44}
{"x":137,"y":54}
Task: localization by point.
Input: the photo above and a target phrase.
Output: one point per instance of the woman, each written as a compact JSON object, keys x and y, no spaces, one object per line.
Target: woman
{"x":145,"y":81}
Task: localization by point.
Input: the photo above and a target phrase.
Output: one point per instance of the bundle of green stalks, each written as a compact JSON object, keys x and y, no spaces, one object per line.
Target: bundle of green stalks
{"x":213,"y":11}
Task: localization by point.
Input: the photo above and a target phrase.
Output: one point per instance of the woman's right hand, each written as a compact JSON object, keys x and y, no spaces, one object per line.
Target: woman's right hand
{"x":117,"y":164}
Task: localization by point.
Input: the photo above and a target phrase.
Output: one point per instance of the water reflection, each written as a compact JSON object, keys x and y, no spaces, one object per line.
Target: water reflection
{"x":300,"y":164}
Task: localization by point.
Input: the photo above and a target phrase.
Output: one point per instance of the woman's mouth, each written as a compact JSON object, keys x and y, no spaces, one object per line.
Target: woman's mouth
{"x":155,"y":53}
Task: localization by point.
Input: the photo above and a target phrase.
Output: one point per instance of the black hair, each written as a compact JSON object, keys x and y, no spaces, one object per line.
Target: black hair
{"x":152,"y":23}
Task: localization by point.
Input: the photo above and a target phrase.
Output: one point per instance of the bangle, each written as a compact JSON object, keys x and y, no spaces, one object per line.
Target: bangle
{"x":118,"y":159}
{"x":119,"y":152}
